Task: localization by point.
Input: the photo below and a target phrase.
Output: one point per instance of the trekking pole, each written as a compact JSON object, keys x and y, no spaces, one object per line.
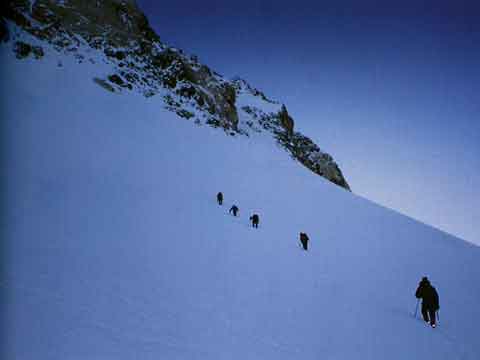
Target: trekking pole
{"x":416,"y":309}
{"x":438,"y":315}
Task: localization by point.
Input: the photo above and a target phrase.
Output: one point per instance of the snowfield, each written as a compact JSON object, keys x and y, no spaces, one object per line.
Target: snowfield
{"x":114,"y":246}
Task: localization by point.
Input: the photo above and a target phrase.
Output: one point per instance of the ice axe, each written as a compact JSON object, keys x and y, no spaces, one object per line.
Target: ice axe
{"x":416,"y":309}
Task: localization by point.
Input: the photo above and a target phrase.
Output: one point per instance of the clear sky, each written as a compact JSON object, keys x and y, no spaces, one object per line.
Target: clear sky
{"x":390,"y":89}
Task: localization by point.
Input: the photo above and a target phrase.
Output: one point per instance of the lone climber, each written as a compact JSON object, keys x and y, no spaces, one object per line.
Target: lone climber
{"x":255,"y":220}
{"x":430,"y":302}
{"x":220,"y":198}
{"x":233,"y":210}
{"x":304,"y":240}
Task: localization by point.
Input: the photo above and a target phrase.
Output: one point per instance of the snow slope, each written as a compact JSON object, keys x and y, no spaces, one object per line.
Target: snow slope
{"x":114,"y":246}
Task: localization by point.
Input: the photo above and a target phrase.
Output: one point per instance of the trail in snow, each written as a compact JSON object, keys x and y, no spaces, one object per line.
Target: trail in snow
{"x":116,"y":248}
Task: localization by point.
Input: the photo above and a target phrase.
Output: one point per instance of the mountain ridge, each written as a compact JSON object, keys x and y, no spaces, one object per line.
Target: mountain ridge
{"x":141,"y":62}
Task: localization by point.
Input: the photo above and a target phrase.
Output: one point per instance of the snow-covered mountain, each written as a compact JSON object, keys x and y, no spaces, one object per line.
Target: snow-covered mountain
{"x":114,"y":246}
{"x":139,"y":62}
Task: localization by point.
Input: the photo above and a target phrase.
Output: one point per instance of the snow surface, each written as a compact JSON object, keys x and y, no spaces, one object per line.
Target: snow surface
{"x":114,"y":246}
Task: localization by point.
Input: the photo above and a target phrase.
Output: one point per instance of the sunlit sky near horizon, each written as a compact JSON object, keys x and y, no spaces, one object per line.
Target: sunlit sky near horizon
{"x":390,"y":89}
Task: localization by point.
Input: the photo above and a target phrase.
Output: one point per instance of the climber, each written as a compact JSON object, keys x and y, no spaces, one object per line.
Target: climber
{"x":233,"y":210}
{"x":220,"y":198}
{"x":430,"y":302}
{"x":304,"y":240}
{"x":255,"y":220}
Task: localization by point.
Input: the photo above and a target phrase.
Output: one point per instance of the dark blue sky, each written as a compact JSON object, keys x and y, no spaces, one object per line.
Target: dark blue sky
{"x":390,"y":89}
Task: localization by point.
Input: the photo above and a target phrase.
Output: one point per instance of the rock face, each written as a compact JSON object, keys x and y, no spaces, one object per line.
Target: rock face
{"x":286,"y":120}
{"x":24,"y":50}
{"x":3,"y":31}
{"x":139,"y":61}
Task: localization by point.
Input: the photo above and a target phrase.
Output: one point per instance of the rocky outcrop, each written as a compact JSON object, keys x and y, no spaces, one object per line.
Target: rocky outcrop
{"x":300,"y":147}
{"x":309,"y":154}
{"x":3,"y":31}
{"x":24,"y":50}
{"x":140,"y":62}
{"x":286,"y":120}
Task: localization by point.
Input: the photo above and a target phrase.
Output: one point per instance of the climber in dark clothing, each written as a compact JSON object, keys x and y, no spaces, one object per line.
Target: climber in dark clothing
{"x":233,"y":210}
{"x":255,"y":220}
{"x":430,"y":302}
{"x":220,"y":198}
{"x":304,"y":240}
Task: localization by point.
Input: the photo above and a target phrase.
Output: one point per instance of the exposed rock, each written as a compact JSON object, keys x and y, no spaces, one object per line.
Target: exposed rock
{"x":286,"y":120}
{"x":164,"y":59}
{"x":308,"y":153}
{"x":120,"y":55}
{"x":203,"y":74}
{"x":4,"y":36}
{"x":224,"y":106}
{"x":116,"y":79}
{"x":14,"y":11}
{"x":185,"y":114}
{"x":240,"y":83}
{"x":140,"y":61}
{"x":37,"y":52}
{"x":24,"y":50}
{"x":187,"y":91}
{"x":104,"y":84}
